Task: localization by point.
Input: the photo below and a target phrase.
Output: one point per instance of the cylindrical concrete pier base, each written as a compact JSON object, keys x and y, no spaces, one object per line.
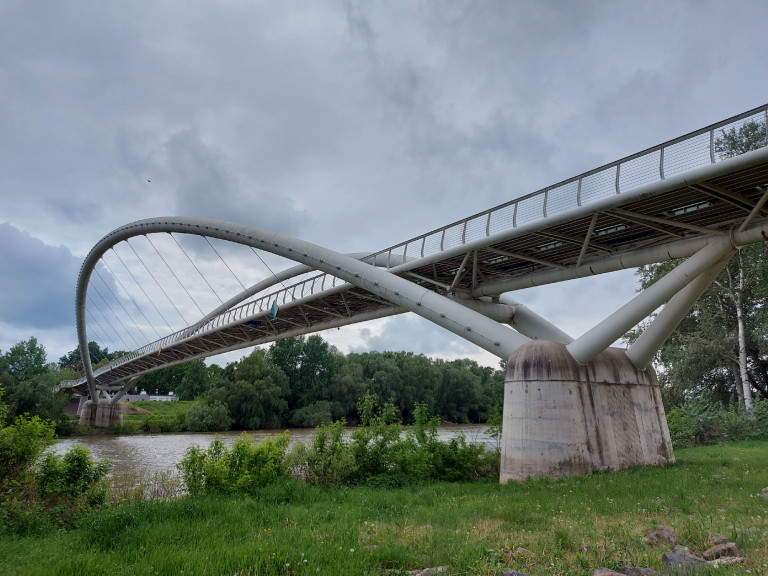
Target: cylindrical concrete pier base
{"x":101,"y":415}
{"x":562,"y":418}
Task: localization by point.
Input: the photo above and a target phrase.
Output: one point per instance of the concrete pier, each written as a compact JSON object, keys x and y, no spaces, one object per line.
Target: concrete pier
{"x":101,"y":415}
{"x":563,"y":418}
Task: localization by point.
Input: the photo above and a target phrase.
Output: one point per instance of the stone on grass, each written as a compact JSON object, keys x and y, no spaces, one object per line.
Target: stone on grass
{"x":429,"y":571}
{"x":720,"y":550}
{"x":662,"y":535}
{"x":726,"y":561}
{"x":605,"y":572}
{"x":637,"y":571}
{"x":718,"y":539}
{"x":681,"y":562}
{"x":523,"y":553}
{"x":510,"y":572}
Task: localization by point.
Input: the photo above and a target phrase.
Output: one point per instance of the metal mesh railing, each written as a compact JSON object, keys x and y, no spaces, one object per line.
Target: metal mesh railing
{"x":652,"y":165}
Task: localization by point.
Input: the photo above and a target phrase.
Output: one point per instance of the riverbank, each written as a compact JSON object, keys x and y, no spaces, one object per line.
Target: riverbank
{"x":542,"y":527}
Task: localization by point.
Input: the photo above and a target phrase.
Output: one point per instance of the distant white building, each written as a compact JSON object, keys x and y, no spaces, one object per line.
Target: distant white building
{"x":144,"y":397}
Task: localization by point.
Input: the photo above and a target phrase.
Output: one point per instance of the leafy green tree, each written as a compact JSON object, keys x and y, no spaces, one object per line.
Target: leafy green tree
{"x":74,"y":360}
{"x":208,"y":417}
{"x":721,"y":346}
{"x":258,"y":396}
{"x":26,"y":360}
{"x":194,"y":382}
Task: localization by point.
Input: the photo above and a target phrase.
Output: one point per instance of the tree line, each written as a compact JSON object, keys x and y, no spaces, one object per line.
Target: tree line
{"x":298,"y":382}
{"x":305,"y":381}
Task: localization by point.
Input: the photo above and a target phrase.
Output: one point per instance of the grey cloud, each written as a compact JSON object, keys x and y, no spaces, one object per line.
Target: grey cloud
{"x":413,"y":333}
{"x":38,"y":281}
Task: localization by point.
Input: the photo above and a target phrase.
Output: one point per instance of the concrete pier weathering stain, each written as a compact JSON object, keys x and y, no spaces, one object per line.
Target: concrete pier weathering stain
{"x":563,"y":418}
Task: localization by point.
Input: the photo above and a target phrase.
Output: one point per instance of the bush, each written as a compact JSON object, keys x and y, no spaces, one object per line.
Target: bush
{"x":379,"y":454}
{"x":21,"y":444}
{"x":702,"y":420}
{"x":69,"y":484}
{"x":375,"y":440}
{"x":316,"y":414}
{"x":327,"y":460}
{"x":244,"y":469}
{"x":36,"y":492}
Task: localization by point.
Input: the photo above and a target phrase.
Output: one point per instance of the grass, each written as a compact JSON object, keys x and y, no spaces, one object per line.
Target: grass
{"x":169,"y":410}
{"x":566,"y":527}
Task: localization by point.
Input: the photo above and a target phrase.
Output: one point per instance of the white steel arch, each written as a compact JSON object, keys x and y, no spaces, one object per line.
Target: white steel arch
{"x":453,"y":316}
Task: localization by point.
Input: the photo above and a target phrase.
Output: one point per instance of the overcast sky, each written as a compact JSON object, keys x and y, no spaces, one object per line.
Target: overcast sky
{"x":354,"y":125}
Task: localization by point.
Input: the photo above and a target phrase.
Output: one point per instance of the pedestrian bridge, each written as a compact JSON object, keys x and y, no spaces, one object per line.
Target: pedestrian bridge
{"x":694,"y":198}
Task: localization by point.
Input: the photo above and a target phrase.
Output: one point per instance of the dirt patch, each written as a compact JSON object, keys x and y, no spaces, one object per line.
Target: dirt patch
{"x":131,"y":409}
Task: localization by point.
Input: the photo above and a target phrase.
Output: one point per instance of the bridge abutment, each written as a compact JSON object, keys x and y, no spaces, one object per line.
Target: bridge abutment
{"x":563,"y":418}
{"x":101,"y":415}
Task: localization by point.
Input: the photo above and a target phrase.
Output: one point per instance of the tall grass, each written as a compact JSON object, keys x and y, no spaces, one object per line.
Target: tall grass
{"x":538,"y":527}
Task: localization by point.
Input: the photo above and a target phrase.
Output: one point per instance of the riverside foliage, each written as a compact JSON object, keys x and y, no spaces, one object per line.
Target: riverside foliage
{"x":378,"y":453}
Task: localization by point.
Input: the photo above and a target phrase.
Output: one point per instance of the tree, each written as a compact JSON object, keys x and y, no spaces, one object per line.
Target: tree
{"x":257,"y":397}
{"x":721,"y":345}
{"x":26,"y":360}
{"x":194,"y":382}
{"x":74,"y":360}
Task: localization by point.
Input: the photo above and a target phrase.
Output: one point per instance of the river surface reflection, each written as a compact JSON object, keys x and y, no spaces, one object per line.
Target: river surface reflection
{"x":161,"y":452}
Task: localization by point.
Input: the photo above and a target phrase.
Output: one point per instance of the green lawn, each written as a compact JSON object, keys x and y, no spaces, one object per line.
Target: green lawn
{"x":569,"y":526}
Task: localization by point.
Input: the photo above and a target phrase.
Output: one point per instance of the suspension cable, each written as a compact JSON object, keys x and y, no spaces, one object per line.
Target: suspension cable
{"x":225,"y":263}
{"x":268,"y":268}
{"x":184,"y":320}
{"x":174,"y":275}
{"x":130,"y":295}
{"x":93,"y":306}
{"x":151,"y":301}
{"x":128,"y":332}
{"x":196,"y":268}
{"x":102,"y":336}
{"x":135,"y":324}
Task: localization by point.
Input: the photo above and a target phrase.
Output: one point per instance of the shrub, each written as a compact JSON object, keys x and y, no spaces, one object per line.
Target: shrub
{"x":35,"y":491}
{"x":373,"y":442}
{"x":702,"y":420}
{"x":21,"y":444}
{"x":245,"y":468}
{"x":327,"y":460}
{"x":72,"y":483}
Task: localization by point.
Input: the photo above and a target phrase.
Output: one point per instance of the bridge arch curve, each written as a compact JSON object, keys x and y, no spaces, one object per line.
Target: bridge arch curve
{"x":451,"y":315}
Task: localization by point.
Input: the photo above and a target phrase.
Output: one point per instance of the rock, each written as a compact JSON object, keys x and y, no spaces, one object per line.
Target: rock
{"x":662,"y":534}
{"x":680,"y":562}
{"x":718,"y":539}
{"x":764,"y":495}
{"x":720,"y":550}
{"x":429,"y":571}
{"x":510,"y":572}
{"x":523,"y":553}
{"x":605,"y":572}
{"x":726,"y":561}
{"x":637,"y":571}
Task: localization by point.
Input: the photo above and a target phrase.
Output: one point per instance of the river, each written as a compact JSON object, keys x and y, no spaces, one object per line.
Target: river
{"x":161,"y":452}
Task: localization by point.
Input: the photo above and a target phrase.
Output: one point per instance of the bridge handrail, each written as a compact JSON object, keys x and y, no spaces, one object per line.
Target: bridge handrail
{"x":651,"y":165}
{"x":251,"y":309}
